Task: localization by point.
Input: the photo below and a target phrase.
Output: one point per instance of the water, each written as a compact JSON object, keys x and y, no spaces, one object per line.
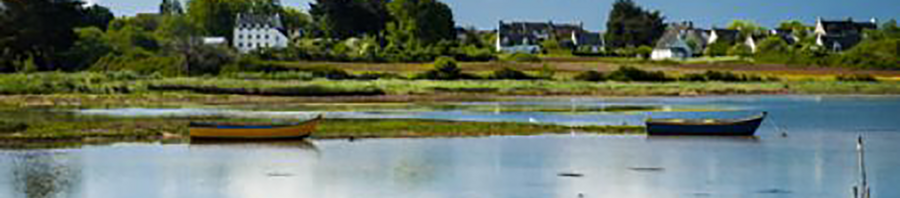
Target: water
{"x":816,"y":159}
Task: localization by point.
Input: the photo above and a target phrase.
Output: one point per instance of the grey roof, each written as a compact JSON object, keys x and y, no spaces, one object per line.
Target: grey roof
{"x":726,"y":35}
{"x":512,"y":39}
{"x":588,"y":39}
{"x":841,"y":43}
{"x":846,"y":27}
{"x":550,"y":28}
{"x":247,"y":20}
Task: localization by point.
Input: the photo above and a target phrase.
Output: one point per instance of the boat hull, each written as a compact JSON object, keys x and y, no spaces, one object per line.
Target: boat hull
{"x":232,"y":132}
{"x":733,"y":128}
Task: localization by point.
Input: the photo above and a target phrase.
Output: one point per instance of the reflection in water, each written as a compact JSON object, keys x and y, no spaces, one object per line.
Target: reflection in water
{"x":44,"y":175}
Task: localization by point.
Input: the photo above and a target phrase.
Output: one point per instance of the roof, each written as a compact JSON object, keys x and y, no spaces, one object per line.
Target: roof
{"x":560,"y":29}
{"x":840,"y":43}
{"x":512,"y":39}
{"x":588,"y":39}
{"x":726,"y":34}
{"x":246,"y":20}
{"x":673,"y":38}
{"x":846,"y":26}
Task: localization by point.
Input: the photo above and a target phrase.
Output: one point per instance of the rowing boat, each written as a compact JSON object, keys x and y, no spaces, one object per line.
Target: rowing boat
{"x":705,"y":127}
{"x":253,"y":132}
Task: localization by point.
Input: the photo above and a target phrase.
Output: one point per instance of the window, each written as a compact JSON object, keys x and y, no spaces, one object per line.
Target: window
{"x":267,"y":36}
{"x":240,"y":45}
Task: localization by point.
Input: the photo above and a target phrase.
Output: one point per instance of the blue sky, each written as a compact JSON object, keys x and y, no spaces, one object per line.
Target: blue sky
{"x":484,"y":14}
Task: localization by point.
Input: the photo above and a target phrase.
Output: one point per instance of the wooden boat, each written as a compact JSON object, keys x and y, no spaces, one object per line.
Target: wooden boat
{"x":705,"y":127}
{"x":253,"y":132}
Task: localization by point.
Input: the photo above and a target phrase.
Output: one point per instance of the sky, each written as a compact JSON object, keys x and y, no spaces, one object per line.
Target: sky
{"x":484,"y":14}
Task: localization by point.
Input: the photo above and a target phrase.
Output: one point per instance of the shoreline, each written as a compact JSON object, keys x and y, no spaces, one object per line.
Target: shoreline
{"x":74,"y":133}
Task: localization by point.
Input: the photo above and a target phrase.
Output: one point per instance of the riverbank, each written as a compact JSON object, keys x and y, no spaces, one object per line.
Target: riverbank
{"x":58,"y":132}
{"x":180,"y":92}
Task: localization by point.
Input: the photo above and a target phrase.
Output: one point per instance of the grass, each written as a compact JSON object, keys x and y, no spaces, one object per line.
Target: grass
{"x":61,"y":131}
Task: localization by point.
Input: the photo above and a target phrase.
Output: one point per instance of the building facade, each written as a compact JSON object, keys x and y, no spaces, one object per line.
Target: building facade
{"x":255,"y":31}
{"x":843,"y":34}
{"x":525,"y":37}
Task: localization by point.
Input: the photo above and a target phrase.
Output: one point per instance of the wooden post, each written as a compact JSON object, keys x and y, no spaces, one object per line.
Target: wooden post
{"x":862,"y":188}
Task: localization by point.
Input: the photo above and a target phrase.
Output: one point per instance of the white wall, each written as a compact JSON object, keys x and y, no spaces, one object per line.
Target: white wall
{"x":249,"y":39}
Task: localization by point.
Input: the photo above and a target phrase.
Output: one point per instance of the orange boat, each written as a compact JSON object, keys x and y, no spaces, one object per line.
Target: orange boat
{"x":253,"y":132}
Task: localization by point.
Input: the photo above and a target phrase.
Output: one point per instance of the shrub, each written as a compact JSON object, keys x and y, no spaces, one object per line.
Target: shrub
{"x":721,"y":76}
{"x":521,"y":58}
{"x":717,"y":49}
{"x":378,"y":75}
{"x":511,"y":74}
{"x":593,"y":76}
{"x":628,"y":74}
{"x":644,"y":51}
{"x":444,"y":69}
{"x":288,"y":75}
{"x":856,"y":78}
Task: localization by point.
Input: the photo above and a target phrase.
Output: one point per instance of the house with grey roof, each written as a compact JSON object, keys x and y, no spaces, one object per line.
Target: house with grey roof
{"x":525,"y":37}
{"x":841,"y":35}
{"x":680,"y":41}
{"x":259,"y":31}
{"x":588,"y":41}
{"x":723,"y":35}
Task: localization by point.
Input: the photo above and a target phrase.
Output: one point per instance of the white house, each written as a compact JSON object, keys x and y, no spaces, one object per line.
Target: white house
{"x":673,"y":44}
{"x":841,"y":35}
{"x":255,"y":31}
{"x":525,"y":37}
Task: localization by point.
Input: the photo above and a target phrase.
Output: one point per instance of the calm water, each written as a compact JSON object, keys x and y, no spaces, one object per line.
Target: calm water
{"x":816,"y":159}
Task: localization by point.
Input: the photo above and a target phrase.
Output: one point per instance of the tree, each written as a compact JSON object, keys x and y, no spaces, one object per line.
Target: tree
{"x":97,"y":16}
{"x":740,"y":50}
{"x":773,"y":45}
{"x":631,"y":25}
{"x":717,"y":49}
{"x":38,"y":30}
{"x":170,"y":7}
{"x":746,"y":27}
{"x":342,"y":19}
{"x":427,"y":21}
{"x":295,"y":19}
{"x":217,"y":17}
{"x":90,"y":47}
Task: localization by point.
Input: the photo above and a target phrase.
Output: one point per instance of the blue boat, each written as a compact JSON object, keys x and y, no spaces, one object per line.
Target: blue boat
{"x":705,"y":127}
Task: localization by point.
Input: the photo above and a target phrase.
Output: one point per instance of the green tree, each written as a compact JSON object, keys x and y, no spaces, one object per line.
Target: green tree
{"x":217,"y":17}
{"x":740,"y":50}
{"x":717,"y":49}
{"x":97,"y":16}
{"x":342,"y":19}
{"x":90,"y":47}
{"x":170,"y":7}
{"x":295,"y":19}
{"x":631,"y":25}
{"x":38,"y":29}
{"x":427,"y":21}
{"x":746,"y":27}
{"x":773,"y":45}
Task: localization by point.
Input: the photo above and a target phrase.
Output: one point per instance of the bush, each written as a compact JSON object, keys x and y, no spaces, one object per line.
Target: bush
{"x":521,"y":58}
{"x":628,"y":74}
{"x":717,"y":49}
{"x":856,"y":78}
{"x":290,"y":75}
{"x":593,"y":76}
{"x":378,"y":75}
{"x":444,"y":69}
{"x":644,"y":51}
{"x":511,"y":74}
{"x":721,"y":76}
{"x":142,"y":63}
